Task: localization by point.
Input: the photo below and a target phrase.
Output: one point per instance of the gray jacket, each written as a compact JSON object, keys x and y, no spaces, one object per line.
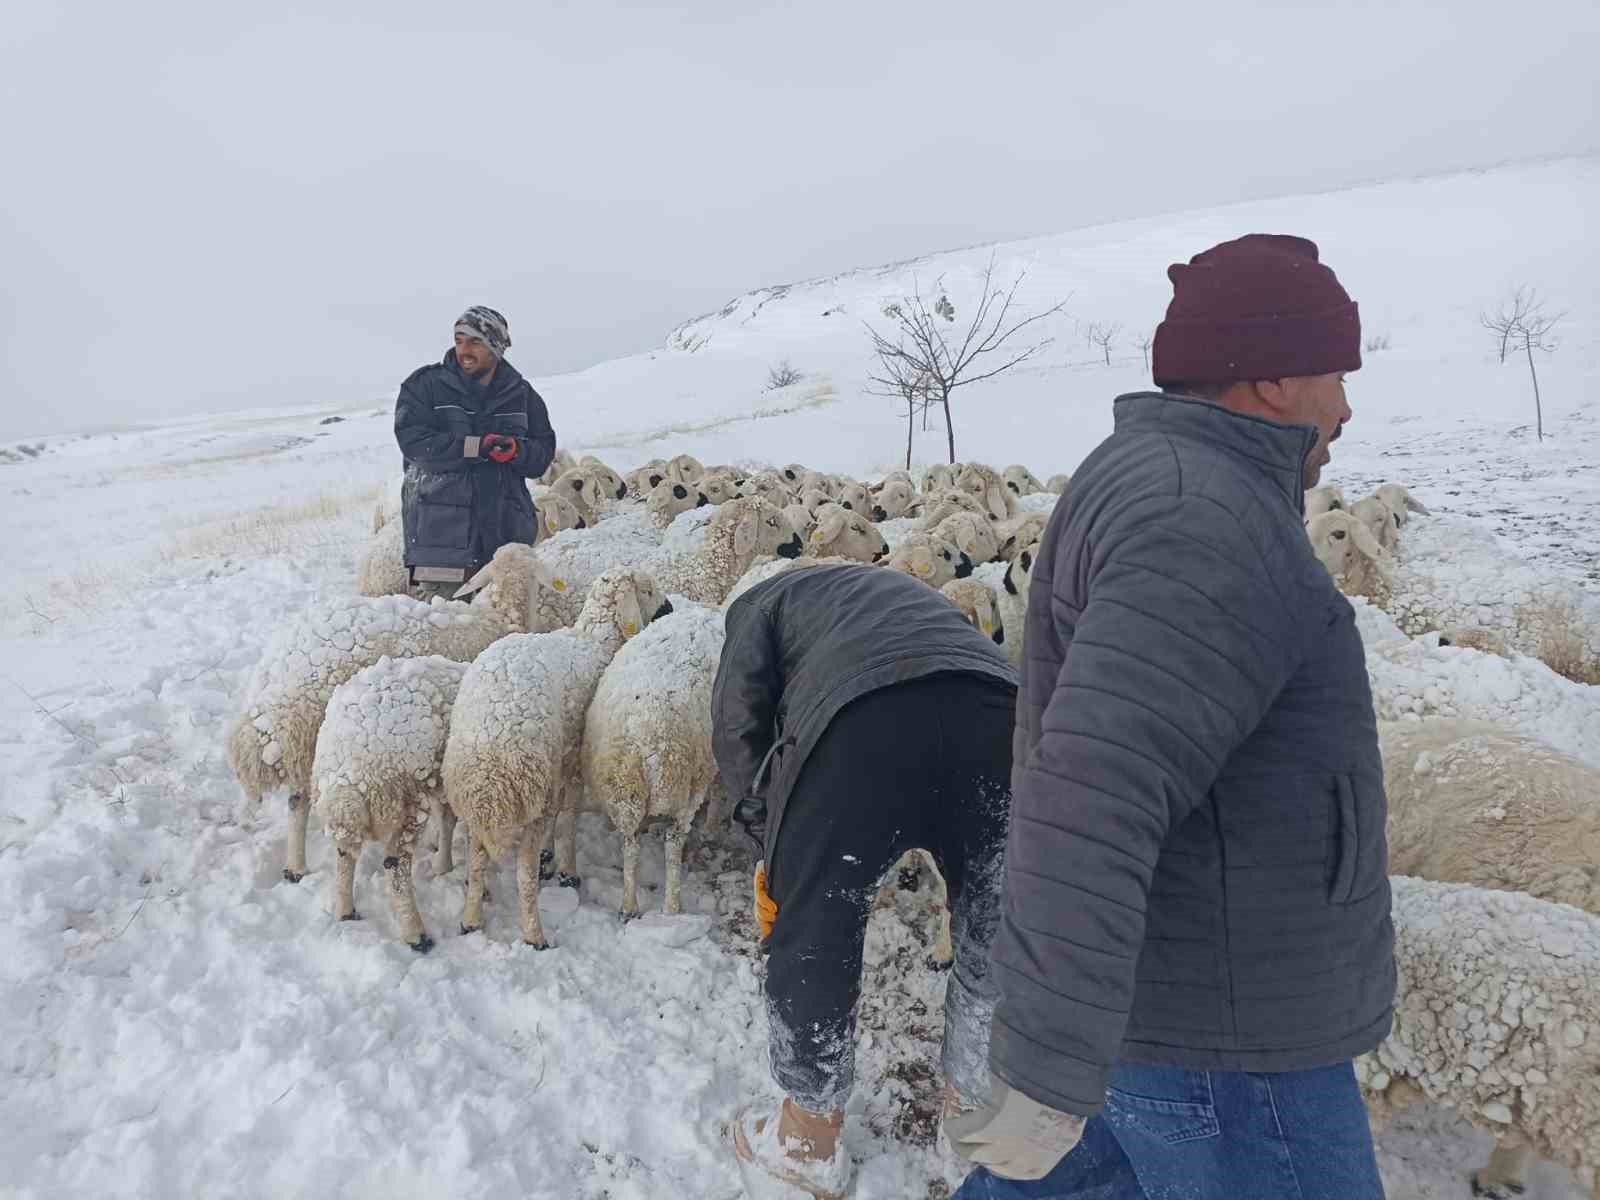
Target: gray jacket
{"x":805,"y":643}
{"x":1196,"y":873}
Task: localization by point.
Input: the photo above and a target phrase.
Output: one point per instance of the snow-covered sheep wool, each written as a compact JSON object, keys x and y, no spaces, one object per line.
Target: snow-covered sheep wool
{"x":1413,"y":680}
{"x":376,"y":775}
{"x":1497,"y":1015}
{"x":771,"y":487}
{"x":841,"y":534}
{"x":1471,"y":802}
{"x":929,"y":558}
{"x":272,"y":743}
{"x":647,"y":740}
{"x":382,"y":569}
{"x":739,"y":532}
{"x":1326,"y":498}
{"x":1021,"y":481}
{"x":516,"y":732}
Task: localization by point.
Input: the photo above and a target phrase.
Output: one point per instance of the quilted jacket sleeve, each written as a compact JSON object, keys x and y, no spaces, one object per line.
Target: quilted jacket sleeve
{"x":537,"y":449}
{"x":1181,"y":646}
{"x":745,"y":696}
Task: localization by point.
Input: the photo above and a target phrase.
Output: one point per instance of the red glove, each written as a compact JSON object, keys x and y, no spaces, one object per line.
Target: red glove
{"x":501,"y":447}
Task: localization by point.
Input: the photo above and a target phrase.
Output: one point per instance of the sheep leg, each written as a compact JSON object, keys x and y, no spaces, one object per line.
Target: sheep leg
{"x":344,"y":878}
{"x":630,"y":874}
{"x":566,"y":843}
{"x":477,"y":869}
{"x":1501,"y":1179}
{"x":673,"y":903}
{"x":444,"y":857}
{"x":295,"y":869}
{"x":528,"y":884}
{"x":943,"y":954}
{"x":547,"y":854}
{"x":397,"y":860}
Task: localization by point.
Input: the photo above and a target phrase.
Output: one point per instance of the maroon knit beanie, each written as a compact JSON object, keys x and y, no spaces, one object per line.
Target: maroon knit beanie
{"x":1259,"y":307}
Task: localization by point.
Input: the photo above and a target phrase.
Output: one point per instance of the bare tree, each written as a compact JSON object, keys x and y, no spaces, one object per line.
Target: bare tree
{"x":1105,"y":336}
{"x":781,"y":376}
{"x":930,"y":356}
{"x":1521,"y":321}
{"x":1145,"y":343}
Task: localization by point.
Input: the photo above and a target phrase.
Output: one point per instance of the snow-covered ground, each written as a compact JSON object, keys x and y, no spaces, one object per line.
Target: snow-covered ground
{"x":175,"y":1020}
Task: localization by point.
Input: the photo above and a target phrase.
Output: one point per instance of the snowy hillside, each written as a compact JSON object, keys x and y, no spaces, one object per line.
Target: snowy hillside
{"x":176,"y":1020}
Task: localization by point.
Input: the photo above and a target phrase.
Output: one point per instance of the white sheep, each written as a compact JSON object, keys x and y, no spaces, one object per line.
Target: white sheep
{"x":1497,"y":1015}
{"x":936,"y":506}
{"x":840,"y":534}
{"x":376,"y":774}
{"x":937,"y":477}
{"x":1021,"y":481}
{"x":971,"y":533}
{"x":685,"y":468}
{"x":766,"y":566}
{"x":978,"y":604}
{"x":719,"y":487}
{"x":1454,"y":573}
{"x":701,"y":569}
{"x":1401,"y":502}
{"x":647,"y":740}
{"x":984,"y":482}
{"x":516,"y":734}
{"x":1057,"y":484}
{"x":642,"y":480}
{"x":770,"y":487}
{"x":1010,"y":583}
{"x":1471,"y":802}
{"x":1021,"y":530}
{"x":611,"y":483}
{"x":1381,"y":521}
{"x":929,"y":558}
{"x":586,"y":488}
{"x":794,"y":473}
{"x":853,"y":497}
{"x":1326,"y":498}
{"x":272,"y":743}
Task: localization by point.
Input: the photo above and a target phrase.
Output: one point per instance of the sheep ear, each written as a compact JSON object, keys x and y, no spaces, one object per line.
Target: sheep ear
{"x":746,"y":534}
{"x":829,"y":528}
{"x":1365,"y":542}
{"x":629,"y":617}
{"x":1416,"y":506}
{"x":485,"y":573}
{"x":996,"y":497}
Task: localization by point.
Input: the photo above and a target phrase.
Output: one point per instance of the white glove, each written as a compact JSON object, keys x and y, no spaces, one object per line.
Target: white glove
{"x":1014,"y":1136}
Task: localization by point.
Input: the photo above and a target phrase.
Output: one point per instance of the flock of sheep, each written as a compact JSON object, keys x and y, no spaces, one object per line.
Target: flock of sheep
{"x":570,"y":681}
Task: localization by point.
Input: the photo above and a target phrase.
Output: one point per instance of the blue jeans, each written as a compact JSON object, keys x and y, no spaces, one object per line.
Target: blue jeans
{"x":1167,"y":1133}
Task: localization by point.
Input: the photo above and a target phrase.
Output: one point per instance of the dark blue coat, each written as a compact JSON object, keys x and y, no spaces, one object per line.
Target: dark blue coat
{"x":459,"y":505}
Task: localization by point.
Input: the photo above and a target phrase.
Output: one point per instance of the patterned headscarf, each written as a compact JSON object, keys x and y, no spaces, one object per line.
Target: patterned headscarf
{"x":486,"y":324}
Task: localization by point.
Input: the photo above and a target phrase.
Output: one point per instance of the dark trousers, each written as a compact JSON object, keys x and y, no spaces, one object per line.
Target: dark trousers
{"x":920,"y":765}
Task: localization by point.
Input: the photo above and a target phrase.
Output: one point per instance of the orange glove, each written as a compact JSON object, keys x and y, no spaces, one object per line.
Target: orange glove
{"x":766,"y":906}
{"x":501,"y":447}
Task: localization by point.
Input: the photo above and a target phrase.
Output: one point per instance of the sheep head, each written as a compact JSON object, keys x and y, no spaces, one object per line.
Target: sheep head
{"x":1057,"y":484}
{"x":1401,"y":501}
{"x":557,"y":513}
{"x":971,"y":533}
{"x":669,"y":498}
{"x":1019,"y":532}
{"x":583,"y":487}
{"x":1327,"y":498}
{"x":685,"y":468}
{"x":718,"y":488}
{"x":976,"y":603}
{"x":643,"y":480}
{"x":752,"y":526}
{"x":1019,"y":572}
{"x":610,"y":481}
{"x":893,"y":499}
{"x":1020,"y":480}
{"x":931,"y":559}
{"x":508,"y":585}
{"x":853,"y":496}
{"x":1382,"y":522}
{"x":1348,"y":550}
{"x":982,"y":482}
{"x":620,"y":602}
{"x":844,"y":534}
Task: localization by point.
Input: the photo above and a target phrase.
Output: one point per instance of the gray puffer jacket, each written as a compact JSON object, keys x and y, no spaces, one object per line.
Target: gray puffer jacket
{"x":802,"y":645}
{"x":1197,"y":872}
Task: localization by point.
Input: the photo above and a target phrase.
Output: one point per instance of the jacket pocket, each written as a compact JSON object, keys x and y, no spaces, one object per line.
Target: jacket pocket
{"x":1360,"y":846}
{"x":1170,"y":1104}
{"x":446,"y":525}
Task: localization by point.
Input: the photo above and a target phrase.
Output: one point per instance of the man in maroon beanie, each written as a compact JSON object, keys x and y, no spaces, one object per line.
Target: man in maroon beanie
{"x":1195,"y":939}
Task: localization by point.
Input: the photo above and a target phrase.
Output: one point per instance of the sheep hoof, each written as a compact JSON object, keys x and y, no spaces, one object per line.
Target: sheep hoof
{"x":535,"y":945}
{"x":569,"y":881}
{"x":628,"y":916}
{"x":939,"y":964}
{"x":422,"y":945}
{"x":910,"y":879}
{"x":1500,"y":1191}
{"x":547,"y":864}
{"x":293,"y":876}
{"x":471,"y":929}
{"x":352,"y":915}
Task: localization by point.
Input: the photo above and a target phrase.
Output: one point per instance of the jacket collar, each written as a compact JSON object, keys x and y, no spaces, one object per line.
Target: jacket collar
{"x":505,"y":378}
{"x":1278,"y":451}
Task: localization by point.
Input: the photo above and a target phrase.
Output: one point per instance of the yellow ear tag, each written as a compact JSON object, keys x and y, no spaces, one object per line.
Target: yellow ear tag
{"x":550,"y":524}
{"x":988,"y":627}
{"x":816,"y":536}
{"x":560,"y":585}
{"x":924,"y":568}
{"x":629,"y":629}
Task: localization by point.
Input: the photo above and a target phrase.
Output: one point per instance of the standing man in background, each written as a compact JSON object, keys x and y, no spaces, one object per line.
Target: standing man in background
{"x":472,"y":429}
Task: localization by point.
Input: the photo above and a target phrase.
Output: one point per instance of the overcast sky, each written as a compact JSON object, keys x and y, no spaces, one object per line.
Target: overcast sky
{"x":212,"y":205}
